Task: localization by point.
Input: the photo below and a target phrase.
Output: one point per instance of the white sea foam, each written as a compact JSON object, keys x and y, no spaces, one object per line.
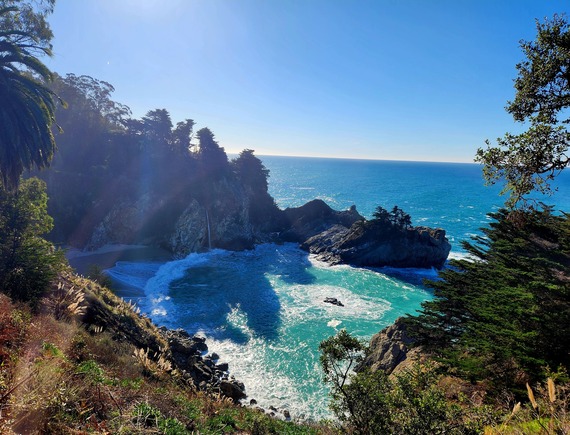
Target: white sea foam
{"x":460,"y":256}
{"x":334,"y":323}
{"x":133,"y":274}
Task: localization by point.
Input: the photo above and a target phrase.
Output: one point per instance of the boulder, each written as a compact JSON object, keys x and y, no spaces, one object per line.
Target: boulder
{"x":301,"y":223}
{"x":232,"y":390}
{"x":334,"y":301}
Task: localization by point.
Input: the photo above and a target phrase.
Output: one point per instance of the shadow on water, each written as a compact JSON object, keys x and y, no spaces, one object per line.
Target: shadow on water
{"x":233,"y":292}
{"x":416,"y":277}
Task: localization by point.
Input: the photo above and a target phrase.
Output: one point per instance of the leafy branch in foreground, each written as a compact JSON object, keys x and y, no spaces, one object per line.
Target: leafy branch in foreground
{"x":531,"y":160}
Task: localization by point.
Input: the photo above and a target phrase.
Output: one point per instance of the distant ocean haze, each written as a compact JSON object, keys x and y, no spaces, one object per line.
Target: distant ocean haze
{"x":263,"y":311}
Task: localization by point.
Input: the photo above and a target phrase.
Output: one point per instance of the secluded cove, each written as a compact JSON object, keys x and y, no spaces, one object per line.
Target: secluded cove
{"x":263,"y":310}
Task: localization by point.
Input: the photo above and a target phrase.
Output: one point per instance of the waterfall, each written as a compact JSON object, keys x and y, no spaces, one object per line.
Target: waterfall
{"x":209,"y":235}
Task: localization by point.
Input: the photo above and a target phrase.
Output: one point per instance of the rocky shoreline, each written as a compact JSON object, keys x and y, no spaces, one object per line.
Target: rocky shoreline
{"x":335,"y":237}
{"x":205,"y":372}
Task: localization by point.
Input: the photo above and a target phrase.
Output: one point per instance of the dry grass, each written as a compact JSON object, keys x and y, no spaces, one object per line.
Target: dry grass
{"x":89,"y":363}
{"x":546,"y":412}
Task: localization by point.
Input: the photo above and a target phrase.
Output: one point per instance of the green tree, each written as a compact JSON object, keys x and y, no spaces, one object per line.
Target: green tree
{"x":529,"y":161}
{"x":211,"y":156}
{"x":182,"y":137}
{"x":381,"y":214}
{"x":28,"y":263}
{"x":396,"y":218}
{"x":506,"y":310}
{"x":400,"y":218}
{"x":157,"y":128}
{"x":28,"y":105}
{"x":251,"y":171}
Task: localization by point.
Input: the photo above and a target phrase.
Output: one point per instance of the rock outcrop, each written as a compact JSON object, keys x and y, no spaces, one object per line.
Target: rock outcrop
{"x":302,"y":223}
{"x":224,"y":223}
{"x":123,"y":223}
{"x":234,"y":216}
{"x":204,"y":372}
{"x":389,"y":348}
{"x":374,"y":244}
{"x":333,"y":301}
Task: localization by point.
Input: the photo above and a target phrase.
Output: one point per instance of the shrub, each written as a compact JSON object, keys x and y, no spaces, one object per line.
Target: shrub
{"x":372,"y":403}
{"x":28,"y":263}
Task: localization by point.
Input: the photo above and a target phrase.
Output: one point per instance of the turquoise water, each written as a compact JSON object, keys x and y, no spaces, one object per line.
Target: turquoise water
{"x":263,"y":311}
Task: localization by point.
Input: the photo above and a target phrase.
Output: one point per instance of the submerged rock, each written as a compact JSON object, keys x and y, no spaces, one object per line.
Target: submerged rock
{"x":334,"y":301}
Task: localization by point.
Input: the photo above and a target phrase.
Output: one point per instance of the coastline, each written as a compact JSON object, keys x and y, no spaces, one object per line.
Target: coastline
{"x":107,"y":256}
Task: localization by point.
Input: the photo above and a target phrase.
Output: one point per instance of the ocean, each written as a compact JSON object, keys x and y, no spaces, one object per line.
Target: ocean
{"x":263,"y":310}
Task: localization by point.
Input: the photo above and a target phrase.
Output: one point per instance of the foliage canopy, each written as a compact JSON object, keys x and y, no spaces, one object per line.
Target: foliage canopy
{"x":28,"y":105}
{"x":504,"y":314}
{"x":369,"y":402}
{"x":28,"y":263}
{"x":530,"y":160}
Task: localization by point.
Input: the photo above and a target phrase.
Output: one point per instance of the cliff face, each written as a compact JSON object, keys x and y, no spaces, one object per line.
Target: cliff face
{"x":389,"y":349}
{"x":222,"y":220}
{"x":302,"y":223}
{"x":233,"y":216}
{"x":225,"y":223}
{"x":375,"y":244}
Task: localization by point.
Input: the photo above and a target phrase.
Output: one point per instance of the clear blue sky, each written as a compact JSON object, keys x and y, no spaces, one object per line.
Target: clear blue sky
{"x":383,"y":79}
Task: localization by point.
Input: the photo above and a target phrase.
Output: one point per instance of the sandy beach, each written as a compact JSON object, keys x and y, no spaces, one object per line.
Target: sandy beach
{"x":107,"y":256}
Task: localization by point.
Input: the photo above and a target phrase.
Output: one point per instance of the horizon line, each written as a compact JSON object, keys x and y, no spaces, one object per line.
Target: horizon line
{"x":361,"y":158}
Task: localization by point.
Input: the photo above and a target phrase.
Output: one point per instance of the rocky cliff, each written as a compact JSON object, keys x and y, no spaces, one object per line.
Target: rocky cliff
{"x":301,"y":223}
{"x":390,"y":349}
{"x":234,"y":216}
{"x":186,"y":225}
{"x":370,"y":243}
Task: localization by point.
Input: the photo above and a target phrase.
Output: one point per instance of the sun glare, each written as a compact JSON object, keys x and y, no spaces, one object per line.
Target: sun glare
{"x":148,"y":9}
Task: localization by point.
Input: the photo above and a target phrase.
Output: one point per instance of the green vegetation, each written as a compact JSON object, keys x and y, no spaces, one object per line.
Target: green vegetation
{"x":28,"y":105}
{"x":530,"y":160}
{"x":87,"y":374}
{"x":396,"y":218}
{"x":85,"y":361}
{"x":500,"y":320}
{"x":411,"y":402}
{"x":148,"y":162}
{"x":28,"y":263}
{"x":504,"y":314}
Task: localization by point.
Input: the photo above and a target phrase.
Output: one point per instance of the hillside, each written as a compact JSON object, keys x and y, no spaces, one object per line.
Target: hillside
{"x":86,"y":362}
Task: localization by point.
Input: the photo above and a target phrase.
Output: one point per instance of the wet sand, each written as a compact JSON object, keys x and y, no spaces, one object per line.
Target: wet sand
{"x":107,"y":256}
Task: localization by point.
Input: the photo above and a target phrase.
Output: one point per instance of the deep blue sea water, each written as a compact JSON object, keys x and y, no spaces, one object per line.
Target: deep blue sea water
{"x":263,"y":310}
